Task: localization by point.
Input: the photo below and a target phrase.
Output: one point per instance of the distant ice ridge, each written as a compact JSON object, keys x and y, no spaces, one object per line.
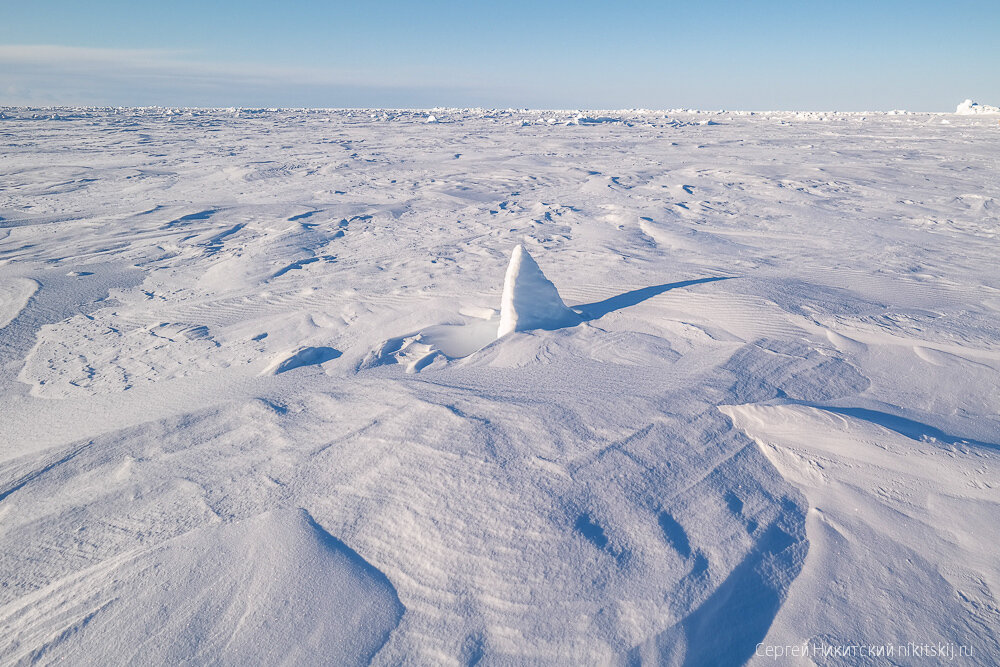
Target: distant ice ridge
{"x":530,"y":300}
{"x":970,"y":108}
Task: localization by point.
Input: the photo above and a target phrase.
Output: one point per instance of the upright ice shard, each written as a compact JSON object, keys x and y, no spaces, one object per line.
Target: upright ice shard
{"x":530,"y":300}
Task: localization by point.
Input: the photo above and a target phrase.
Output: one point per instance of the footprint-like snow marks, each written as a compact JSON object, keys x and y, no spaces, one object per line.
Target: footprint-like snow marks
{"x":302,"y":356}
{"x":105,"y":353}
{"x":675,"y":534}
{"x":14,"y":296}
{"x":726,"y":628}
{"x":591,"y":530}
{"x":273,"y":589}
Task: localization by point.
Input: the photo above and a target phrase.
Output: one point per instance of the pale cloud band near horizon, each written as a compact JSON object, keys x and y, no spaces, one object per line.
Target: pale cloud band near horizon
{"x":45,"y":74}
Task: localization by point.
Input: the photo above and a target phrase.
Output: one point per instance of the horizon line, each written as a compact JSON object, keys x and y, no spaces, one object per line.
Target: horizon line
{"x":421,"y":109}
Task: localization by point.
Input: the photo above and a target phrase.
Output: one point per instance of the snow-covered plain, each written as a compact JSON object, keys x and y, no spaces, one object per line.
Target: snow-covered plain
{"x":255,"y":409}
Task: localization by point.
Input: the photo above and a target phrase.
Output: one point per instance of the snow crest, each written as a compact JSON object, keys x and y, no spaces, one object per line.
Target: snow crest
{"x":14,"y":296}
{"x":530,"y":300}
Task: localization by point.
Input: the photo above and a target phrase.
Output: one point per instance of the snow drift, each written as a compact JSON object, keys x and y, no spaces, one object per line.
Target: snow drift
{"x":273,"y":589}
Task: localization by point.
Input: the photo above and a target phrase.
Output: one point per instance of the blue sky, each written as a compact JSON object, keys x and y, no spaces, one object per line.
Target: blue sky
{"x":917,"y":55}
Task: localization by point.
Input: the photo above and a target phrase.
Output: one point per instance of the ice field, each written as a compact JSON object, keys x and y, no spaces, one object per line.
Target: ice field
{"x":255,"y":409}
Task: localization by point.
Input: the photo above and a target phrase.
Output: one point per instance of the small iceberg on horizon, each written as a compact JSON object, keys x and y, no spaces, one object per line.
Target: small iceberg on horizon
{"x":971,"y":108}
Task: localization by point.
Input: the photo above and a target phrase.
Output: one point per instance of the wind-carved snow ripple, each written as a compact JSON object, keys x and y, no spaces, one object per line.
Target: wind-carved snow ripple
{"x":767,"y":369}
{"x":503,"y":469}
{"x":275,"y":587}
{"x":729,"y":535}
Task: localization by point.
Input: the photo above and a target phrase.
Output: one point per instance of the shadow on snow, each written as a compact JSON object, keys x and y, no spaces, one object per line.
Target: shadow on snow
{"x":595,"y":311}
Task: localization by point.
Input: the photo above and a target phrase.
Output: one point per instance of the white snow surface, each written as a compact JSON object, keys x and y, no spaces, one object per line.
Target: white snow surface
{"x":530,"y":300}
{"x":968,"y":108}
{"x":255,"y":409}
{"x":14,"y":296}
{"x":269,"y":589}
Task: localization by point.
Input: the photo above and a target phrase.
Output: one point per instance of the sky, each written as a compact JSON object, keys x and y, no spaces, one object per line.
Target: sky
{"x":803,"y":55}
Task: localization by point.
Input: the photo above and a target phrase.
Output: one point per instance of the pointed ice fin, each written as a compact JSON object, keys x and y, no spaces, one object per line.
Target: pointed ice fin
{"x":530,"y":300}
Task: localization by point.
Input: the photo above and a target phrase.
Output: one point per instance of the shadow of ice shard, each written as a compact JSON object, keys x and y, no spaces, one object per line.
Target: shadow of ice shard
{"x":595,"y":311}
{"x":531,"y":301}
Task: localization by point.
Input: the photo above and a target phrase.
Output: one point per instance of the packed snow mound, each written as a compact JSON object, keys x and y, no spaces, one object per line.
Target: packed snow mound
{"x":275,"y":588}
{"x":970,"y":108}
{"x":14,"y":296}
{"x":530,"y":300}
